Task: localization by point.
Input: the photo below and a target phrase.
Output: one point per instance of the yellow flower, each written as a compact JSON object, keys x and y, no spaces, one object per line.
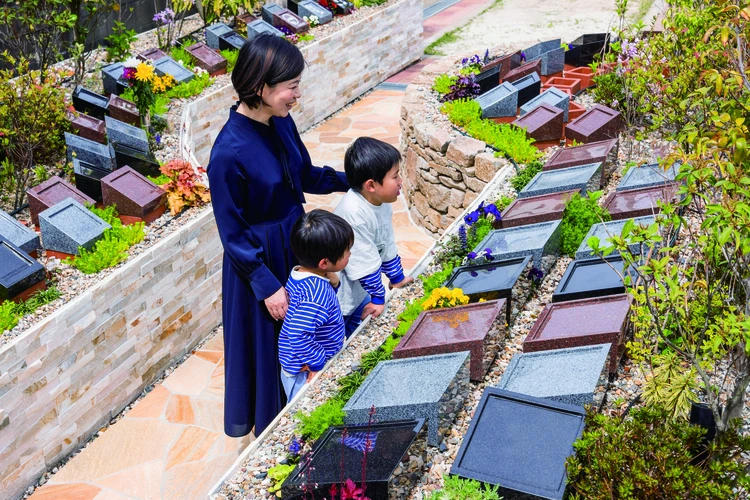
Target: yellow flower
{"x":168,"y":81}
{"x":144,"y":72}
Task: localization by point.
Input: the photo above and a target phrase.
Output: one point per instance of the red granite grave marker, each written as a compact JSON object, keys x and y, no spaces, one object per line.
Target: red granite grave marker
{"x":136,"y":198}
{"x":535,"y":209}
{"x":638,"y":202}
{"x":51,"y":192}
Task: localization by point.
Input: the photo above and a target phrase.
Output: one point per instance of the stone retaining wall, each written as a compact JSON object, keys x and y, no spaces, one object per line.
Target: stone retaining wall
{"x":68,"y":375}
{"x":444,"y":170}
{"x":342,"y":67}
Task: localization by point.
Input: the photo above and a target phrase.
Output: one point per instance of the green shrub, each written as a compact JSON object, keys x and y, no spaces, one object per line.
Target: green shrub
{"x":580,"y":214}
{"x":456,"y":488}
{"x":8,"y":315}
{"x":435,"y":280}
{"x":503,"y":202}
{"x":162,"y":179}
{"x":453,"y":250}
{"x":649,"y":455}
{"x":313,"y":426}
{"x":461,"y":112}
{"x":610,"y":91}
{"x":442,"y":84}
{"x":11,"y":312}
{"x":371,"y":359}
{"x":191,"y":88}
{"x":112,"y":248}
{"x":159,"y":107}
{"x":523,"y":177}
{"x":180,"y":54}
{"x":231,"y":56}
{"x":507,"y":139}
{"x":349,"y":384}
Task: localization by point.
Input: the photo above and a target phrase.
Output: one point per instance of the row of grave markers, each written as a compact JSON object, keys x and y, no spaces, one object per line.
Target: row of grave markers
{"x":523,"y":429}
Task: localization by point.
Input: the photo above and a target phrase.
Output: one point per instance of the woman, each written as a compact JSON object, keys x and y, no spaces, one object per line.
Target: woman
{"x":258,"y":171}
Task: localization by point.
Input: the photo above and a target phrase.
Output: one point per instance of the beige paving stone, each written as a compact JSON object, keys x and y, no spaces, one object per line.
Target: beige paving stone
{"x":180,"y":410}
{"x":128,"y":443}
{"x":142,"y":481}
{"x":194,"y":479}
{"x":191,"y":377}
{"x":76,"y":491}
{"x":210,"y":356}
{"x":192,"y":445}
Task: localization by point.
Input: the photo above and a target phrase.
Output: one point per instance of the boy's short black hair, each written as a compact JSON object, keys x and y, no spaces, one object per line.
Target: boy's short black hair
{"x":319,"y":235}
{"x":369,"y":158}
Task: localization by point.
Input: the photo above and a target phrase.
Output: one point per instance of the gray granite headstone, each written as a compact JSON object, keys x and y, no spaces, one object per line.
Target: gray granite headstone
{"x":500,"y":102}
{"x":553,"y":61}
{"x":647,"y":176}
{"x":577,"y":375}
{"x":121,"y":133}
{"x":101,"y":155}
{"x":18,"y":234}
{"x":213,"y":32}
{"x":429,"y":387}
{"x":69,"y":225}
{"x":606,"y":230}
{"x":259,"y":26}
{"x":552,"y":96}
{"x":168,"y":66}
{"x":307,"y":8}
{"x":113,"y":80}
{"x":536,"y":240}
{"x":582,"y":177}
{"x":269,"y":10}
{"x":540,"y":48}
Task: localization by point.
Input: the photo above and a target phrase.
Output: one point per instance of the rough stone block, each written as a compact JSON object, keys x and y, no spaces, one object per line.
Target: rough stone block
{"x":437,"y":195}
{"x":588,"y":278}
{"x":463,"y":150}
{"x":168,"y":66}
{"x":536,"y":240}
{"x":127,"y":135}
{"x":486,"y":165}
{"x":583,"y":178}
{"x":50,"y":193}
{"x":553,"y":97}
{"x":90,"y":103}
{"x":543,"y":123}
{"x":18,"y":234}
{"x":597,"y":124}
{"x":20,"y":275}
{"x":422,"y":132}
{"x":520,"y":443}
{"x":213,"y":33}
{"x":464,"y":328}
{"x":576,"y":376}
{"x":307,"y":8}
{"x":440,"y":140}
{"x":500,"y":102}
{"x":429,"y":387}
{"x":133,"y":194}
{"x":639,"y":202}
{"x":605,"y":230}
{"x":101,"y":155}
{"x":534,"y":209}
{"x":88,"y":127}
{"x":113,"y":80}
{"x":69,"y":225}
{"x":575,"y":323}
{"x":648,"y":176}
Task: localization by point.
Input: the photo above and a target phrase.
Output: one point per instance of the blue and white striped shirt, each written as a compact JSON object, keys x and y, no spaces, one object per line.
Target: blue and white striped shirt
{"x":313,"y":329}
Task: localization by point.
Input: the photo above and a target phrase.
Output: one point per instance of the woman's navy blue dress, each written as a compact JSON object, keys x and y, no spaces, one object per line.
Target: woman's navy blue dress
{"x":257,"y":198}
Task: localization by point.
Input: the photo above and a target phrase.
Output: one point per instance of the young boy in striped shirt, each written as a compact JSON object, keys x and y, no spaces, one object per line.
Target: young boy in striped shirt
{"x":372,"y":169}
{"x":313,"y":329}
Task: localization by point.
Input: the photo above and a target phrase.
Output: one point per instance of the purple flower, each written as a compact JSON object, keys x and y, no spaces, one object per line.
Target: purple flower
{"x":486,"y":56}
{"x":157,"y":138}
{"x":471,"y":218}
{"x":462,"y":236}
{"x":523,"y":56}
{"x":294,"y":447}
{"x":472,"y":255}
{"x":492,"y":209}
{"x":464,"y":61}
{"x":128,"y":73}
{"x":536,"y":275}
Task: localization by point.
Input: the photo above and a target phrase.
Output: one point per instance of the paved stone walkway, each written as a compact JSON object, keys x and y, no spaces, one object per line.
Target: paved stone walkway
{"x":171,"y":445}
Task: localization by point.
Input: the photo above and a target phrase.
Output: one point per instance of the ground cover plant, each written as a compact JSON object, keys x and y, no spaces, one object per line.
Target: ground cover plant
{"x":581,"y":212}
{"x":11,"y":312}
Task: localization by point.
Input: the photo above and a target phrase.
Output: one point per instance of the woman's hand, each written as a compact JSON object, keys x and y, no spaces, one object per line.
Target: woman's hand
{"x":277,"y":304}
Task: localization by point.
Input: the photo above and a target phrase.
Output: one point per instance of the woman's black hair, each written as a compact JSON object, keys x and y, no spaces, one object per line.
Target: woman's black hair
{"x":265,"y":60}
{"x":319,"y":235}
{"x":369,"y":158}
